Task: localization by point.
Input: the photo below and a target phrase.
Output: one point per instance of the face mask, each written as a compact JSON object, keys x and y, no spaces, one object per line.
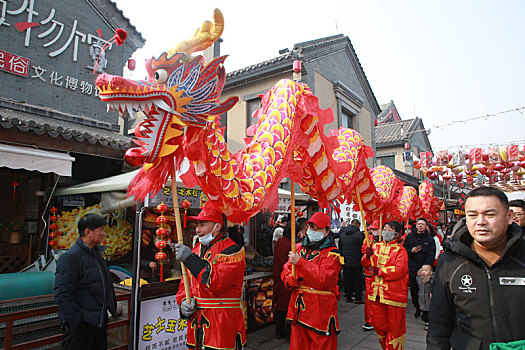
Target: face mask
{"x":206,"y":239}
{"x":314,"y":236}
{"x":388,"y":235}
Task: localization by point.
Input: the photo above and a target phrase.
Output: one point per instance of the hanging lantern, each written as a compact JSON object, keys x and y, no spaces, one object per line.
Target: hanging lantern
{"x":300,"y":214}
{"x":185,"y":204}
{"x":15,"y":185}
{"x":160,"y":241}
{"x":53,"y":227}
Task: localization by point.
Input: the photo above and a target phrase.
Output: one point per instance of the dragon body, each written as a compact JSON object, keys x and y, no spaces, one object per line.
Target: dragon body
{"x":181,"y":101}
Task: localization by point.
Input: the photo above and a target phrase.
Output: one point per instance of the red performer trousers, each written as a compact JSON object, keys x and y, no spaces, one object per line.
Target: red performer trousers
{"x":367,"y":301}
{"x":390,"y":325}
{"x":303,"y":339}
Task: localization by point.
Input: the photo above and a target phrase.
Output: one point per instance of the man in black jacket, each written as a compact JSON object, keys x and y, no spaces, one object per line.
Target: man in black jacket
{"x":350,"y":243}
{"x":421,"y":251}
{"x":479,"y":283}
{"x":84,"y":289}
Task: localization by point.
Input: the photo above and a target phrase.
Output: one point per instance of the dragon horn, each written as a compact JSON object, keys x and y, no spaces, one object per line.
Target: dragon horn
{"x":203,"y":37}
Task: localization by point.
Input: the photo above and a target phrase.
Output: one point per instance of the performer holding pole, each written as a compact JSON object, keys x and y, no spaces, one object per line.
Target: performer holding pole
{"x":216,"y":265}
{"x":313,"y":305}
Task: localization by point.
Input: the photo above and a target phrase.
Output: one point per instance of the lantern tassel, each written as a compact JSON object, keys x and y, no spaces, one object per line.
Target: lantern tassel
{"x":185,"y":217}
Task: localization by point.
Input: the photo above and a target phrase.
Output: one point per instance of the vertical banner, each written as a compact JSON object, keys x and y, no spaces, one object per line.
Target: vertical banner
{"x":161,"y":327}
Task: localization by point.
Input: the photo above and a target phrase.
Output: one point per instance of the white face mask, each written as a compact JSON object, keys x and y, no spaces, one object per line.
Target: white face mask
{"x":314,"y":236}
{"x":388,"y":235}
{"x":206,"y":239}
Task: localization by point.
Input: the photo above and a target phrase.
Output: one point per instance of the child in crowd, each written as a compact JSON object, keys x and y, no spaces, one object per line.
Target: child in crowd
{"x":425,"y":278}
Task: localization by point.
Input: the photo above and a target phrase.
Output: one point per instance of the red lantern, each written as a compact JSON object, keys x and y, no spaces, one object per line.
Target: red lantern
{"x":53,"y":210}
{"x":185,"y":204}
{"x":160,"y":256}
{"x":162,"y":208}
{"x":53,"y":234}
{"x":52,"y":243}
{"x":162,"y":232}
{"x":53,"y":218}
{"x":407,"y":146}
{"x":161,"y":244}
{"x":300,"y":214}
{"x":53,"y":226}
{"x":162,"y":220}
{"x":132,"y":64}
{"x":134,"y":157}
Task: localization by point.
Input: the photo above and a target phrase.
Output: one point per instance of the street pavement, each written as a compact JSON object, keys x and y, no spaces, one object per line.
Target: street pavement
{"x":352,"y":336}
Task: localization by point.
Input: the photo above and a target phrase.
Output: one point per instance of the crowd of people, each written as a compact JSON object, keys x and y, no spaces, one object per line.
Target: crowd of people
{"x":465,"y":279}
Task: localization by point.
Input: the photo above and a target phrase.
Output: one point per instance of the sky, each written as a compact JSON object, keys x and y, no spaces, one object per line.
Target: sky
{"x":447,"y":61}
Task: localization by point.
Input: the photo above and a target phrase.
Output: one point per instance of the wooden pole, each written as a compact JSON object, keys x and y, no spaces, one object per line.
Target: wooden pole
{"x":362,"y":216}
{"x":293,"y":221}
{"x":380,"y":227}
{"x":180,"y":238}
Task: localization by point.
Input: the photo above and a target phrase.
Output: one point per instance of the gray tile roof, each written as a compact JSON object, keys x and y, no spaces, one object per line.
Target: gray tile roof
{"x":394,"y":132}
{"x":40,"y":121}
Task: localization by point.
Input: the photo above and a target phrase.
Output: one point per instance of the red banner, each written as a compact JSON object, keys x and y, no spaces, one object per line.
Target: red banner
{"x":14,"y":64}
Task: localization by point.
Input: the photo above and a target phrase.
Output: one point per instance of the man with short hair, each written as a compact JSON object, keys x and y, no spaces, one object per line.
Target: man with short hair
{"x":313,"y":305}
{"x":518,"y":208}
{"x":477,"y":297}
{"x":421,"y":250}
{"x":84,"y":289}
{"x":216,"y":265}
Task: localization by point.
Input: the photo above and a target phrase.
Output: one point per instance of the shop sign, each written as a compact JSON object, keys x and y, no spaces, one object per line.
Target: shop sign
{"x":14,"y":64}
{"x":161,"y":327}
{"x":196,"y":197}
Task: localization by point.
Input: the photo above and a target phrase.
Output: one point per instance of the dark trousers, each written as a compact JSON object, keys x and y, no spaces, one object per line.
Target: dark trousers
{"x":353,"y":281}
{"x":282,"y":328}
{"x":424,"y":316}
{"x":85,"y":337}
{"x":414,"y":290}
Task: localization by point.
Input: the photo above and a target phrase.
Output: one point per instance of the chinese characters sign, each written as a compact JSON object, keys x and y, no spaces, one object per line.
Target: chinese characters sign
{"x":14,"y":64}
{"x":196,"y":197}
{"x":161,"y":327}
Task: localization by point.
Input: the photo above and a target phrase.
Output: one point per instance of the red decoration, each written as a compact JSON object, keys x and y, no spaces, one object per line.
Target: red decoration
{"x":52,"y":243}
{"x":134,"y":157}
{"x":132,"y":64}
{"x":162,"y":232}
{"x":53,"y":227}
{"x":161,"y":244}
{"x":162,"y":219}
{"x":162,"y":208}
{"x":53,"y":218}
{"x":53,"y":210}
{"x":160,"y":256}
{"x":15,"y":185}
{"x":475,"y":156}
{"x":185,"y":204}
{"x":300,"y":214}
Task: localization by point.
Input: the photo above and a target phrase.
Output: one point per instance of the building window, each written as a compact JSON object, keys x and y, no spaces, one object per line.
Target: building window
{"x":389,"y":161}
{"x":252,"y":105}
{"x":347,"y":119}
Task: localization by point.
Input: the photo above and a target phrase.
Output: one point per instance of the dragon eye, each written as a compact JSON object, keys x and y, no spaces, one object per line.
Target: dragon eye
{"x":161,"y":76}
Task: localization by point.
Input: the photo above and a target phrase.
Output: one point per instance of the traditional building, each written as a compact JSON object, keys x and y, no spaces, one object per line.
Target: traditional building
{"x":54,"y":129}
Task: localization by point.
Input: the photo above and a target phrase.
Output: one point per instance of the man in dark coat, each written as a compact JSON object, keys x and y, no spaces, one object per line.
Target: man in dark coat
{"x":350,"y":243}
{"x":421,"y":250}
{"x":83,"y":288}
{"x":477,"y":297}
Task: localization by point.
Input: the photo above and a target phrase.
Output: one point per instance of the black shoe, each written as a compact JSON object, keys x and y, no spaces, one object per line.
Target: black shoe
{"x":417,"y":314}
{"x":367,"y":327}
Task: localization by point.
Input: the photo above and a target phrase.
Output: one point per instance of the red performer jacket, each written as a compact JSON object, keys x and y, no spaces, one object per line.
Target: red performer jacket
{"x":216,"y":280}
{"x":313,"y":303}
{"x":390,"y":286}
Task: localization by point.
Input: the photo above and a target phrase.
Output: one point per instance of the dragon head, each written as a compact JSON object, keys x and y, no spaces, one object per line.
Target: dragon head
{"x":181,"y":91}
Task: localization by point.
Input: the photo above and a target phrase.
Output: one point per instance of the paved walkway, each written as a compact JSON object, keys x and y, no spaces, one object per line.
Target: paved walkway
{"x":352,"y":337}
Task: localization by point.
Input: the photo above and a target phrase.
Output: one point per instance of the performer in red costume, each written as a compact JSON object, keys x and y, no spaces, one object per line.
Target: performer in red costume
{"x":387,"y":261}
{"x":313,"y":305}
{"x":216,"y":264}
{"x":373,"y":238}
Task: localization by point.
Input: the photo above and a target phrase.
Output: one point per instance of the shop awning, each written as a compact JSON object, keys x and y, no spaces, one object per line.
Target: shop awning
{"x":19,"y":157}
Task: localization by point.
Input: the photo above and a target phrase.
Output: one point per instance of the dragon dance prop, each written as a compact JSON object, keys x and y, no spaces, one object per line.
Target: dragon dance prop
{"x":181,"y":101}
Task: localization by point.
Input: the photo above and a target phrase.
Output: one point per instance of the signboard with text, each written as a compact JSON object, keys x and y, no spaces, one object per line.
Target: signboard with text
{"x":161,"y":327}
